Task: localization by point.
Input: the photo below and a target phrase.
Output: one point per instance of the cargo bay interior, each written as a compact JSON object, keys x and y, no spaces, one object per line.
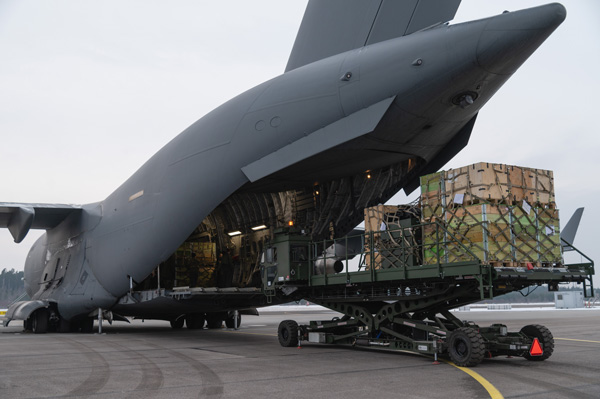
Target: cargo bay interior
{"x":225,"y":249}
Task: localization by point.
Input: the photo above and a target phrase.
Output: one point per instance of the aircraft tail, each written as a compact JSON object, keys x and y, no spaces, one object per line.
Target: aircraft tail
{"x":567,"y":235}
{"x":331,"y":27}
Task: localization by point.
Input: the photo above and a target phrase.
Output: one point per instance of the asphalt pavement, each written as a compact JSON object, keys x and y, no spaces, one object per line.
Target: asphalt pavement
{"x":150,"y":360}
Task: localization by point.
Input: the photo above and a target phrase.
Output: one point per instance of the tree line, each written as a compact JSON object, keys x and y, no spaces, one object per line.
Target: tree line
{"x":11,"y":286}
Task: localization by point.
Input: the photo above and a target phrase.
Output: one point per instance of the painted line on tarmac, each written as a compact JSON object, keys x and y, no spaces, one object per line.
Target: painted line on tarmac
{"x":578,"y":340}
{"x":491,"y":390}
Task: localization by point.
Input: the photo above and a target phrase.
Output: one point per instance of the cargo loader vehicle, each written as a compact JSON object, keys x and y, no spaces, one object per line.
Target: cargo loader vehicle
{"x":397,"y":292}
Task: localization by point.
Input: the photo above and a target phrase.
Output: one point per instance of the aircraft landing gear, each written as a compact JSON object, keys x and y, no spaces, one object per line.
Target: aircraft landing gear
{"x":177,"y":324}
{"x":87,"y":325}
{"x":39,"y":321}
{"x":63,"y":326}
{"x":27,"y":324}
{"x":215,"y":320}
{"x":194,"y":321}
{"x":233,"y":320}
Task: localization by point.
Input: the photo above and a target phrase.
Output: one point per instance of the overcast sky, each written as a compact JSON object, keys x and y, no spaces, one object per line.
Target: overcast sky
{"x":89,"y":90}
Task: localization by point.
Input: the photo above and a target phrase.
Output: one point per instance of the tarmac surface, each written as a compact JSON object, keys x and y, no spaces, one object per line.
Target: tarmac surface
{"x":150,"y":360}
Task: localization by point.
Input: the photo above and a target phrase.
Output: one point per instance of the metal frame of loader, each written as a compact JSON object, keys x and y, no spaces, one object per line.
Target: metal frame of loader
{"x":395,"y":303}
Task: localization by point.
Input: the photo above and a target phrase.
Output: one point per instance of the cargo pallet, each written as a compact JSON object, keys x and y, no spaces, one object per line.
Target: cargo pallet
{"x":394,"y":302}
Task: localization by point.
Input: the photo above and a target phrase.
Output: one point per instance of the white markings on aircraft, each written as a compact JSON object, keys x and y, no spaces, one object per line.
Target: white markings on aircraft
{"x":136,"y":195}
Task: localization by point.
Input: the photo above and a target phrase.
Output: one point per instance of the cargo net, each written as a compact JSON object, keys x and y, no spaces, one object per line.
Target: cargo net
{"x":393,"y":236}
{"x":504,"y":215}
{"x":489,"y":183}
{"x":501,"y":235}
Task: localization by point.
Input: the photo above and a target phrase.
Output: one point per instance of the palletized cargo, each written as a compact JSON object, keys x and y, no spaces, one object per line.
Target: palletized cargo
{"x":504,"y":215}
{"x":383,"y":218}
{"x":502,"y":235}
{"x":195,"y":264}
{"x":489,"y":182}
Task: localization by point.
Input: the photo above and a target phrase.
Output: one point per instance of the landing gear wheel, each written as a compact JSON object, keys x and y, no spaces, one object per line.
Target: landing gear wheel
{"x":177,"y":324}
{"x":194,"y":321}
{"x":287,"y":333}
{"x":27,"y":324}
{"x":87,"y":325}
{"x":230,"y":321}
{"x":63,"y":326}
{"x":466,"y":347}
{"x":39,"y":321}
{"x":214,"y":320}
{"x":544,"y":336}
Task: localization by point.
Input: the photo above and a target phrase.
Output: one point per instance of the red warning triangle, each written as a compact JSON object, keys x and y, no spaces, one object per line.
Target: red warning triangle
{"x":536,"y":348}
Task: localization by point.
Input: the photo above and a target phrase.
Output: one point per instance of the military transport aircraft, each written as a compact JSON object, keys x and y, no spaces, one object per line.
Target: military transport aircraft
{"x":375,"y":94}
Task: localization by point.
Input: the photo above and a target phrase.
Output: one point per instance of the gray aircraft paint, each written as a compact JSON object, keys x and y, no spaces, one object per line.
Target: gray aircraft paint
{"x":397,"y":85}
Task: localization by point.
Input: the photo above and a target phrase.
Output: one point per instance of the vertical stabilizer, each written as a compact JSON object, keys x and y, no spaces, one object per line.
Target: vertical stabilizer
{"x":331,"y":27}
{"x":567,"y":235}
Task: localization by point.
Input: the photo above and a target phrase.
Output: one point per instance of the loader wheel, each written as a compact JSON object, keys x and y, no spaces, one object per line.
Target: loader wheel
{"x":288,"y":333}
{"x":177,"y":324}
{"x":544,"y":336}
{"x":466,"y":347}
{"x":230,"y":321}
{"x":39,"y":322}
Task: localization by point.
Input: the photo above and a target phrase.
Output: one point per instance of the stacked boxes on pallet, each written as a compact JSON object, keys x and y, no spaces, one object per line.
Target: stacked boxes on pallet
{"x":504,"y":215}
{"x":379,"y":221}
{"x":195,"y":265}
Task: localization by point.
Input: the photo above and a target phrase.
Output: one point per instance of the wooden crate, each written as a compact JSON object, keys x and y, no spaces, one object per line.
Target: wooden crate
{"x":379,"y":221}
{"x":378,"y":217}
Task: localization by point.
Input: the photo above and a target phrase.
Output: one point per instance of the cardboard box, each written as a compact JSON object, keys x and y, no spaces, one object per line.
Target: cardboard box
{"x":488,"y":182}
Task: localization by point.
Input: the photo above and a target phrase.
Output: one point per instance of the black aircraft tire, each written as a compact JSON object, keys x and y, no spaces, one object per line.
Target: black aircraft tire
{"x":287,"y":333}
{"x":195,"y":321}
{"x":63,"y":326}
{"x":75,"y":325}
{"x":544,"y":336}
{"x":39,"y":322}
{"x":230,"y":321}
{"x":27,"y":324}
{"x":177,"y":324}
{"x":214,"y":320}
{"x":87,"y":325}
{"x":466,"y":347}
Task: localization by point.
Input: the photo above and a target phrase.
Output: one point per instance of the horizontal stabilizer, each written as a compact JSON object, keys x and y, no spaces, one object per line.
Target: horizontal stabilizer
{"x":567,"y":235}
{"x":20,"y":218}
{"x":331,"y":27}
{"x":339,"y":132}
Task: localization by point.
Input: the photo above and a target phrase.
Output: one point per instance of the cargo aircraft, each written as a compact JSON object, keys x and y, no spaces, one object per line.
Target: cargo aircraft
{"x":375,"y":94}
